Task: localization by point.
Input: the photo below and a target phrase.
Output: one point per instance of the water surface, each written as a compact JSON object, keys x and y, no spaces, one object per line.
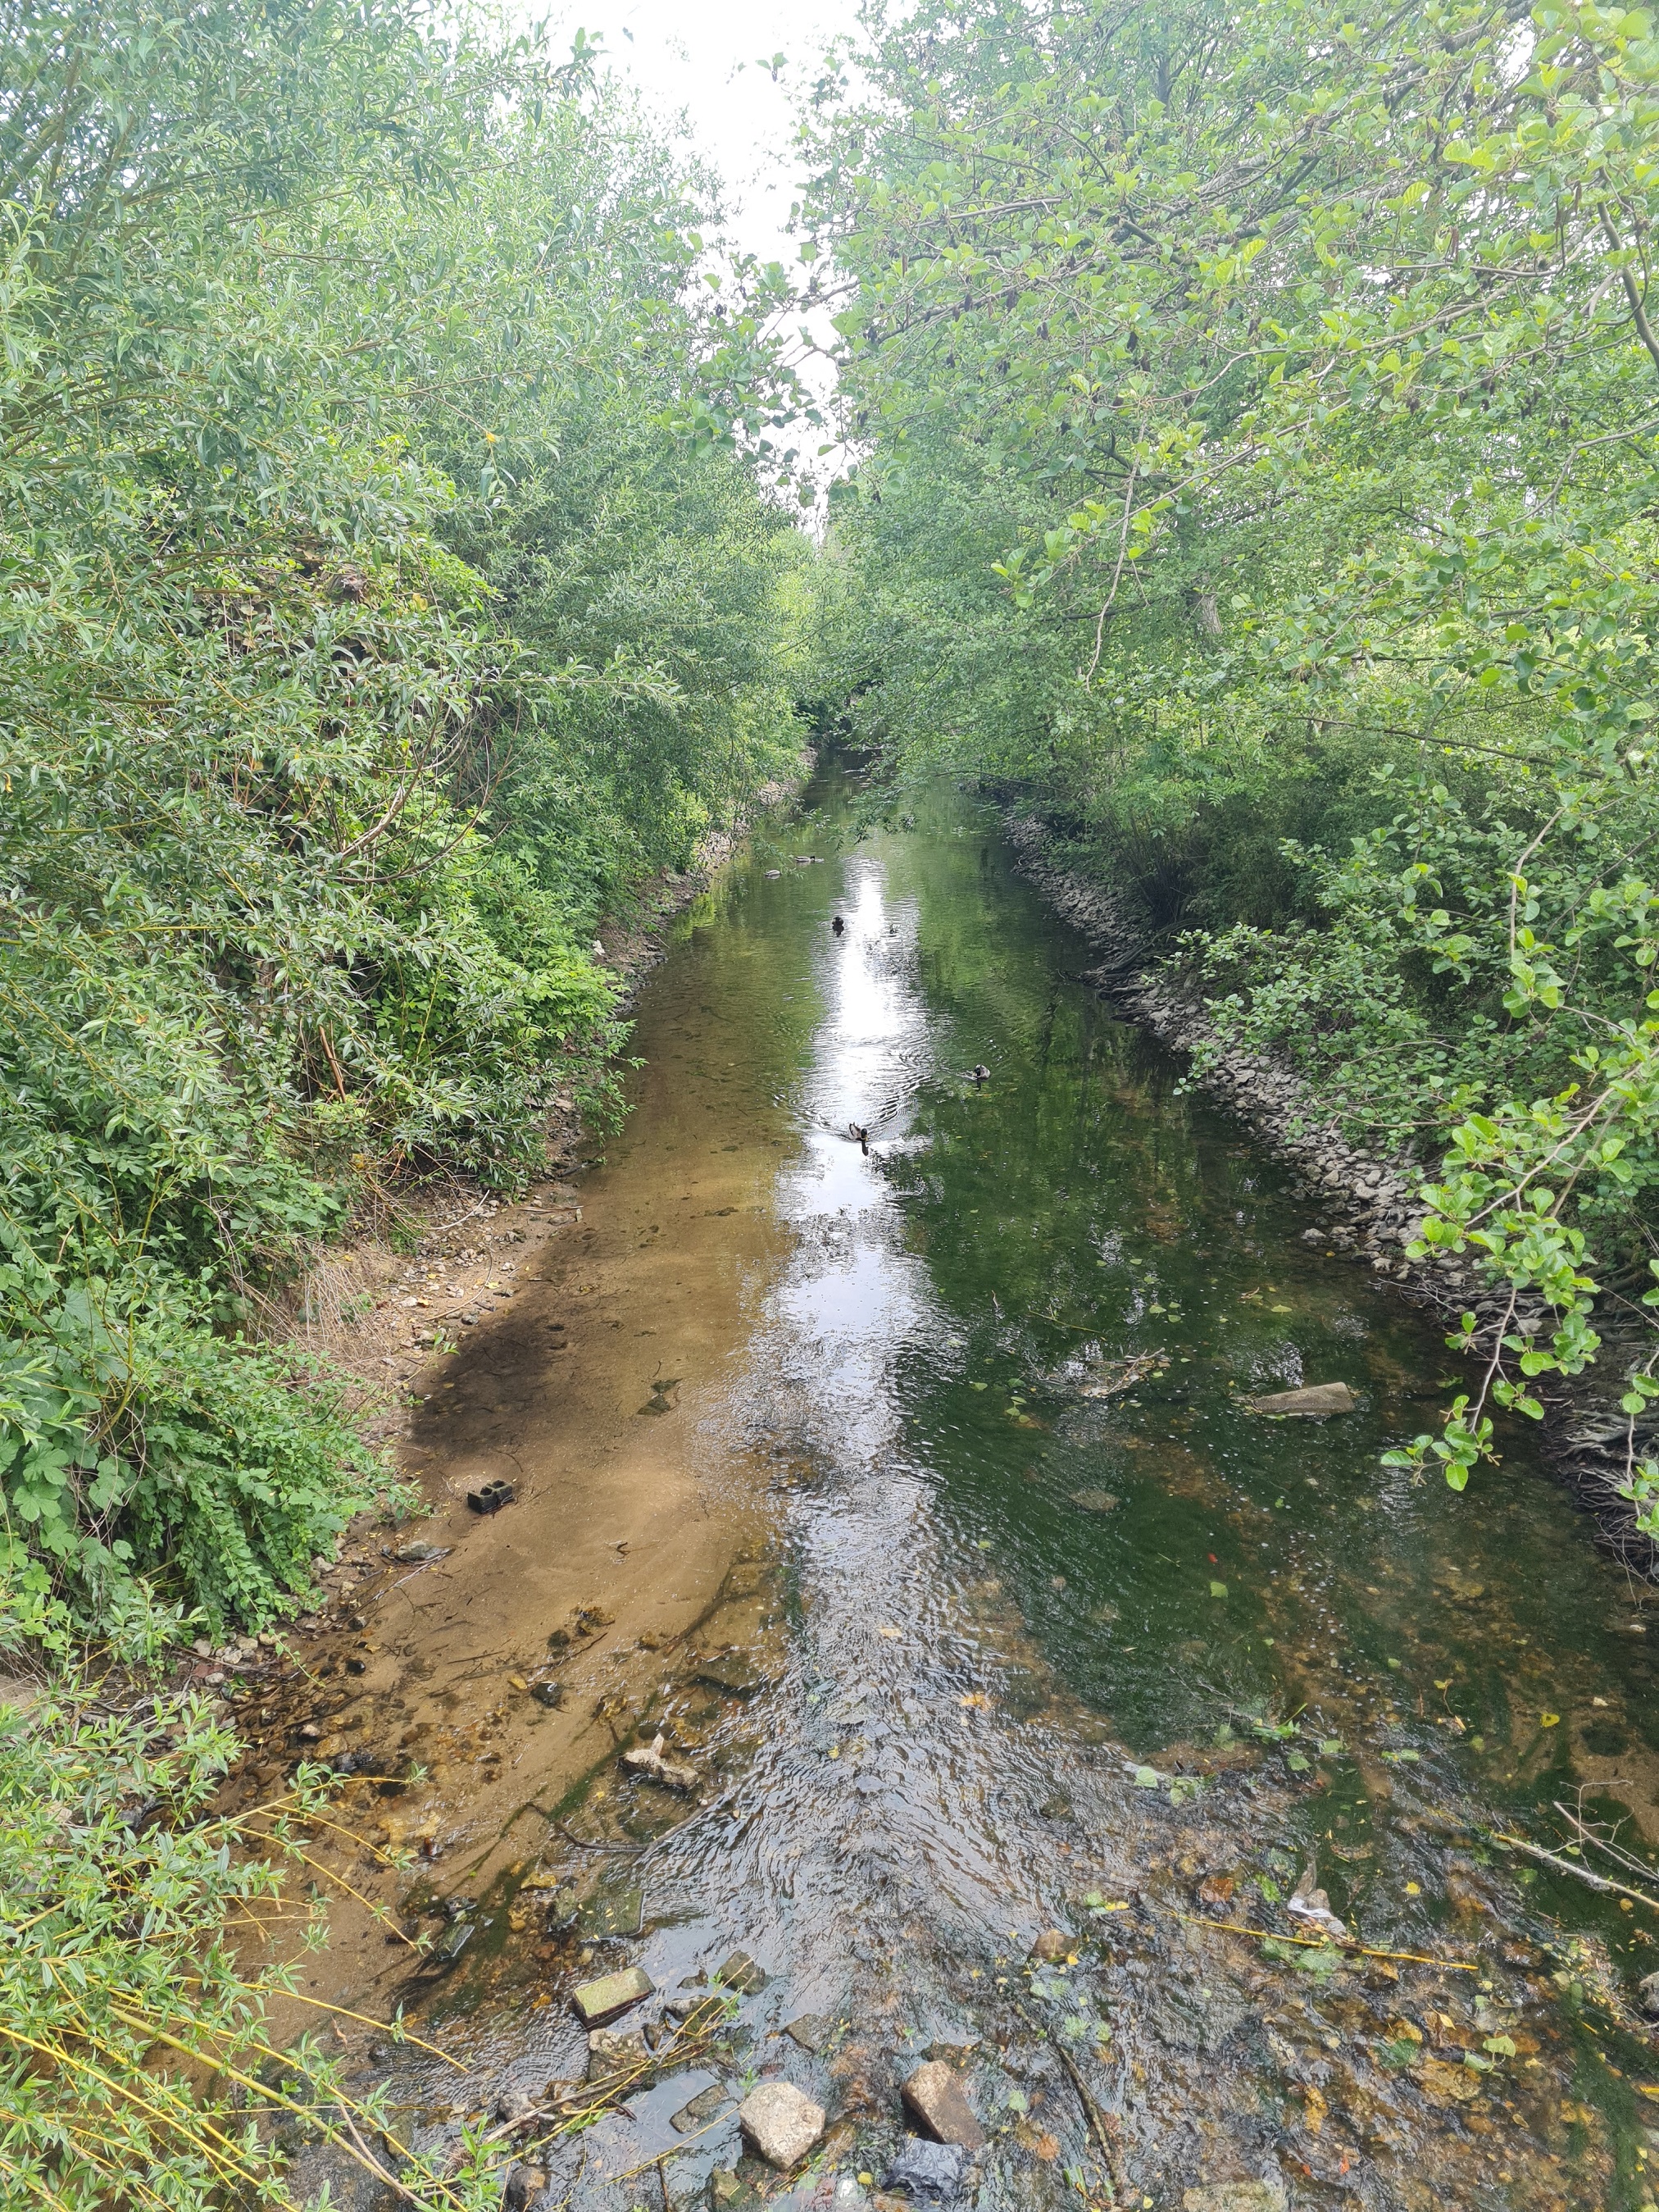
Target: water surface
{"x":1010,"y":1654}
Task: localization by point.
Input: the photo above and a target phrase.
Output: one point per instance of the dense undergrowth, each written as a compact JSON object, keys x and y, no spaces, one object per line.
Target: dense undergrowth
{"x":1258,"y":414}
{"x":383,"y":592}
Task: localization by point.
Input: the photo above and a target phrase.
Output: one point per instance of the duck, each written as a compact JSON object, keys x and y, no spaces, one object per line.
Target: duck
{"x":838,"y":925}
{"x":861,"y":1136}
{"x":979,"y":1073}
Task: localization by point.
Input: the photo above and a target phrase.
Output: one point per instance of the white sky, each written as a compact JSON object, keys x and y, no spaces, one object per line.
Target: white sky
{"x":708,"y":59}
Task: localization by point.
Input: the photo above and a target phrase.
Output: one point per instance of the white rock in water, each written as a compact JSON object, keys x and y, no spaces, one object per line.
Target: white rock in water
{"x":1316,"y":1403}
{"x":649,"y":1760}
{"x":1309,"y":1904}
{"x":780,"y":2122}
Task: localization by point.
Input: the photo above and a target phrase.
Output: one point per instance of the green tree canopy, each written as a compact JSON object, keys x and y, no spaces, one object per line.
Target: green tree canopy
{"x":1259,"y":410}
{"x":382,"y":592}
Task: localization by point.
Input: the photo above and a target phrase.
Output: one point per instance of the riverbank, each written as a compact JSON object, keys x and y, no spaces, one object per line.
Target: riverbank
{"x":469,"y":1670}
{"x":1368,"y":1208}
{"x":365,"y":1308}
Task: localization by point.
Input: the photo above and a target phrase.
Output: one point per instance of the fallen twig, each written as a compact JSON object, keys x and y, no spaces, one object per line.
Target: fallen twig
{"x":1614,"y":1851}
{"x":1104,"y":2134}
{"x":1323,"y":1943}
{"x":1586,"y":1874}
{"x":628,"y":1850}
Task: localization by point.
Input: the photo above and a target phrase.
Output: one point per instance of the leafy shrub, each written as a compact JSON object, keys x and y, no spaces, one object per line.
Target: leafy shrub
{"x":135,"y":2058}
{"x":374,"y":620}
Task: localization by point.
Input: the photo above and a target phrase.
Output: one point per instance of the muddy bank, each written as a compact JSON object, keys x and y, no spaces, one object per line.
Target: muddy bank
{"x":1368,"y":1208}
{"x":466,"y":1670}
{"x":363,"y":1307}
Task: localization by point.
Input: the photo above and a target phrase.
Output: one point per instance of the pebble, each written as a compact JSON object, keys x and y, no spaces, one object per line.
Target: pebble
{"x":612,"y":1994}
{"x":930,"y":2170}
{"x":1052,"y":1948}
{"x":1647,"y":1995}
{"x":934,"y":2097}
{"x":781,"y":2123}
{"x":812,"y":2031}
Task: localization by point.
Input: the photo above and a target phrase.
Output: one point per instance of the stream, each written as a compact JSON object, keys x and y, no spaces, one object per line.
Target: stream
{"x":1035,"y":1627}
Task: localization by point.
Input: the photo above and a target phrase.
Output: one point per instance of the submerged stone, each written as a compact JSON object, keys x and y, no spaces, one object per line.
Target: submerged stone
{"x":703,"y":2106}
{"x":1095,"y":1501}
{"x":615,"y":1909}
{"x":812,"y":2031}
{"x":1318,"y":1402}
{"x":1236,"y":2197}
{"x":609,"y":2053}
{"x":603,"y":2000}
{"x":739,"y":1973}
{"x":735,"y":1671}
{"x":451,"y":1944}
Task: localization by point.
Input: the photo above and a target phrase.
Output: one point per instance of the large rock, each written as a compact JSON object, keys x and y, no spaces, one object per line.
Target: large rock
{"x":1315,"y":1403}
{"x":934,"y":2098}
{"x":934,"y":2171}
{"x":598,"y":2001}
{"x":781,"y":2123}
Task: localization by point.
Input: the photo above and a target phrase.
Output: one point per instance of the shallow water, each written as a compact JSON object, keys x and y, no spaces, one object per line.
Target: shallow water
{"x":1011,"y":1655}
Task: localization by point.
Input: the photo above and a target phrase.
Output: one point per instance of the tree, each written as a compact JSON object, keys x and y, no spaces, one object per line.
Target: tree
{"x":1301,"y":364}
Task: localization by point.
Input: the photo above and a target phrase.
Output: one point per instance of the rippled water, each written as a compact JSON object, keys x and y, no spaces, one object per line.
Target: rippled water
{"x":1016,"y":1656}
